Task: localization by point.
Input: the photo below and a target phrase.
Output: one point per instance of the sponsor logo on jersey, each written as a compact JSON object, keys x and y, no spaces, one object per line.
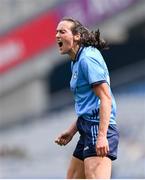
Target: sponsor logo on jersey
{"x":75,"y":75}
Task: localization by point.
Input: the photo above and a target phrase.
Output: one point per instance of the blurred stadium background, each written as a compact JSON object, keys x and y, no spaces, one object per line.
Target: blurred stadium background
{"x":35,"y":101}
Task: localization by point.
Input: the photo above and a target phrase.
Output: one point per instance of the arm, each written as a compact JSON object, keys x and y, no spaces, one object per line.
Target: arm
{"x":73,"y":128}
{"x":102,"y":91}
{"x":66,"y":136}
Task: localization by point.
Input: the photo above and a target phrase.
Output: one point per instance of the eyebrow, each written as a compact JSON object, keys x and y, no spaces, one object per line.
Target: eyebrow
{"x":60,"y":30}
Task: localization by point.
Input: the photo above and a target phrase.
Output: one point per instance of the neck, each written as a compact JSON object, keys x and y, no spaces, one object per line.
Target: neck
{"x":73,"y":52}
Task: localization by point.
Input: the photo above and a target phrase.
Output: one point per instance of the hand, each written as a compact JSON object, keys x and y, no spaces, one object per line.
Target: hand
{"x":102,"y":147}
{"x":64,"y":138}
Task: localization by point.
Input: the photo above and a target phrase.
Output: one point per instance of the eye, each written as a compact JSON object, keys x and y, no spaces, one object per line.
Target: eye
{"x":62,"y":31}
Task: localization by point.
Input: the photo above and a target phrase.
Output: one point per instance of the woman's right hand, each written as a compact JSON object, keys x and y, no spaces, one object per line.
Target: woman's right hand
{"x":64,"y":138}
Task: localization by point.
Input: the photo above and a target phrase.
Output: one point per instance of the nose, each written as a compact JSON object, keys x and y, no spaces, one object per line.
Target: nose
{"x":57,"y":35}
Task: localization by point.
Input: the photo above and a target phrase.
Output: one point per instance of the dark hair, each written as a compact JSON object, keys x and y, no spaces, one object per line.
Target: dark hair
{"x":88,"y":38}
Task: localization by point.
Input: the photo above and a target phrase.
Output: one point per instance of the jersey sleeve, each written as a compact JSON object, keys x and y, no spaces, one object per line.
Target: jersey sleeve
{"x":93,"y":71}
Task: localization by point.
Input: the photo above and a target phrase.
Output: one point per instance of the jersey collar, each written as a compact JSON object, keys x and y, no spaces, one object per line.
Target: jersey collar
{"x":78,"y":54}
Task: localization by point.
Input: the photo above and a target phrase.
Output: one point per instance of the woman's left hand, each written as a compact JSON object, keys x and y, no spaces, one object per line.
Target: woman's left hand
{"x":102,"y":147}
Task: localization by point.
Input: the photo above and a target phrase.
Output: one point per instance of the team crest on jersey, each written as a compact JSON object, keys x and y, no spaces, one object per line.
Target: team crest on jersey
{"x":75,"y":75}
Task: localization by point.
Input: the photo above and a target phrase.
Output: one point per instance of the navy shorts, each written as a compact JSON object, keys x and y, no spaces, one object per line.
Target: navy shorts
{"x":86,"y":146}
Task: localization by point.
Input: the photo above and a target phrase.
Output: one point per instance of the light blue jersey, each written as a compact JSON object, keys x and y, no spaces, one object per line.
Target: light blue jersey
{"x":89,"y":68}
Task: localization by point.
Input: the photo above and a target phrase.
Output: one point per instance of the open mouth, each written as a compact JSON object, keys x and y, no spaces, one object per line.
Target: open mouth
{"x":60,"y":44}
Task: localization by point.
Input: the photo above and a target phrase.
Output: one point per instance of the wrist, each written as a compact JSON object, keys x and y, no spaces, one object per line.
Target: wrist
{"x":102,"y":134}
{"x":72,"y":131}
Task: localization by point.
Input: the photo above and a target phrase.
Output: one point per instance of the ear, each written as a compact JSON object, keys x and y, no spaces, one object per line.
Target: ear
{"x":77,"y":37}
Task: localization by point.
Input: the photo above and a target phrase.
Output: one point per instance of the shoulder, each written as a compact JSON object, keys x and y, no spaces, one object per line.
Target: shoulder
{"x":91,"y":55}
{"x":90,"y":51}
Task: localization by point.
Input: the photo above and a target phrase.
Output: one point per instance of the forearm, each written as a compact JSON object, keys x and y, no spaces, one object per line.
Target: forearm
{"x":73,"y":128}
{"x":65,"y":137}
{"x":104,"y":114}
